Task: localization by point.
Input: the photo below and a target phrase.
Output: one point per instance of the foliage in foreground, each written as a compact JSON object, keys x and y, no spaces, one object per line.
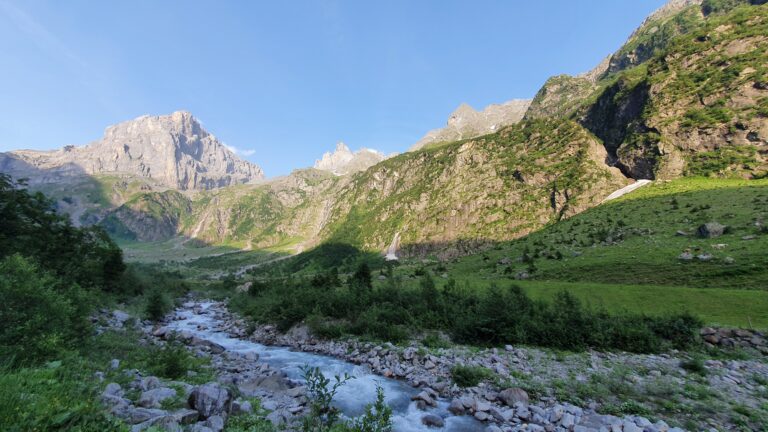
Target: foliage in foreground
{"x":482,"y":317}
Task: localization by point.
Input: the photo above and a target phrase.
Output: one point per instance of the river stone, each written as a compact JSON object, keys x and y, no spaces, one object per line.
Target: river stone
{"x":432,"y":420}
{"x":513,"y":395}
{"x":210,"y":399}
{"x":456,"y":407}
{"x":153,"y":398}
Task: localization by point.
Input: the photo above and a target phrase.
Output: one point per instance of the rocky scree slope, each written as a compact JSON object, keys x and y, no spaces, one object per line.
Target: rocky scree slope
{"x":173,"y":150}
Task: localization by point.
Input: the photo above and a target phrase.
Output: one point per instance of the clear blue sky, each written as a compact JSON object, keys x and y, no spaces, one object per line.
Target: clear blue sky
{"x":287,"y":80}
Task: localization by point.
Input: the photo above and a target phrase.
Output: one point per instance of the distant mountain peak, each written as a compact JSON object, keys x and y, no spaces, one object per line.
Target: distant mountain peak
{"x":344,"y":161}
{"x":174,"y":150}
{"x":466,"y":122}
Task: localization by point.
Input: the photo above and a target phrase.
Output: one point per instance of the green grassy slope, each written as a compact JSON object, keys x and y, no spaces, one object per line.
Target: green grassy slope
{"x":624,"y":254}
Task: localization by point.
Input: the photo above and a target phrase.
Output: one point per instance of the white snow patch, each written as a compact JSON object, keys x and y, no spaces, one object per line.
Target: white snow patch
{"x":627,"y":189}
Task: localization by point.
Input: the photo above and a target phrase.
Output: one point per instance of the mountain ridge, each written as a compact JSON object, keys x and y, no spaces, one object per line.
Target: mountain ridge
{"x":173,"y":149}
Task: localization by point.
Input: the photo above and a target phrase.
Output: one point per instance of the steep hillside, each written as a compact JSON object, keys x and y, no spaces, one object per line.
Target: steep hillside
{"x":686,"y":95}
{"x":499,"y":186}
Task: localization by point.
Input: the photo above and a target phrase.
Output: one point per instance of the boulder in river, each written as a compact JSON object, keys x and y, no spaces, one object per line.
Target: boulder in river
{"x":432,"y":420}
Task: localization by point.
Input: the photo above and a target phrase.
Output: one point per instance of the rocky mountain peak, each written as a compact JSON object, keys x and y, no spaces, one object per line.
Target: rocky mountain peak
{"x":466,"y":122}
{"x":344,"y":161}
{"x":174,"y":150}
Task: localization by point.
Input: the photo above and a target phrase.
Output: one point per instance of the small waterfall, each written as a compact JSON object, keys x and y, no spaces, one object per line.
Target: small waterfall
{"x":392,"y":249}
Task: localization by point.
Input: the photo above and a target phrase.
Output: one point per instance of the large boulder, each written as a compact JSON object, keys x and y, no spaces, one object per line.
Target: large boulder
{"x":710,"y":230}
{"x":153,"y":398}
{"x":514,"y":395}
{"x":210,"y":399}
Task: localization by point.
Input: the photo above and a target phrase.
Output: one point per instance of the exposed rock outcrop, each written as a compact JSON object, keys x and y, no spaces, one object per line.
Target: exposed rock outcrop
{"x":174,"y":150}
{"x":465,"y":122}
{"x":344,"y":161}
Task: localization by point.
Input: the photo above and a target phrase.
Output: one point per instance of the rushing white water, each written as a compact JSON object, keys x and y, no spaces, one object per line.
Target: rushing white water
{"x":352,"y":397}
{"x":392,"y":249}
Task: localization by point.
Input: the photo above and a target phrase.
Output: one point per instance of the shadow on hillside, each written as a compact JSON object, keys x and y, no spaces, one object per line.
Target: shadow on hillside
{"x":73,"y":191}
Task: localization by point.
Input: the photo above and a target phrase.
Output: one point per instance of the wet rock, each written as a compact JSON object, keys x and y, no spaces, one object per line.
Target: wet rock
{"x":210,"y":399}
{"x":425,"y":397}
{"x":456,"y":407}
{"x":432,"y":420}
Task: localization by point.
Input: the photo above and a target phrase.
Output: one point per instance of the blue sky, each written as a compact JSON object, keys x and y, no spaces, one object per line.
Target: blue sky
{"x":284,"y":81}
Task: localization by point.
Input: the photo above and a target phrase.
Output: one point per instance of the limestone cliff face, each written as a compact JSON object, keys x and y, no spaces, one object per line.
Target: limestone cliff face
{"x":173,"y":150}
{"x":465,"y":122}
{"x":343,"y":161}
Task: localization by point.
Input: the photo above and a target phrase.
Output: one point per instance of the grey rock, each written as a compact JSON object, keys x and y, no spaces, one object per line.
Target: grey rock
{"x":432,"y":420}
{"x":167,"y":423}
{"x":153,"y":398}
{"x":710,"y":230}
{"x":241,"y":407}
{"x":114,"y":364}
{"x":113,"y":389}
{"x":456,"y":407}
{"x":514,"y":395}
{"x":149,"y":383}
{"x":185,"y":416}
{"x":136,"y":415}
{"x":215,"y":423}
{"x":210,"y":399}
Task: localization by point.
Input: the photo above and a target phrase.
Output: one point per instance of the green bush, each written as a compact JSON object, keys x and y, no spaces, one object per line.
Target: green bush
{"x":158,"y":305}
{"x":172,"y":361}
{"x":496,"y":316}
{"x":38,"y":321}
{"x":60,"y":396}
{"x":695,"y":365}
{"x":470,"y":376}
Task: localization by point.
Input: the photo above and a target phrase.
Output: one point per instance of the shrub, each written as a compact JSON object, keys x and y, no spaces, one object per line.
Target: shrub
{"x":172,"y":361}
{"x":38,"y":321}
{"x":695,"y":365}
{"x":158,"y":305}
{"x":470,"y":376}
